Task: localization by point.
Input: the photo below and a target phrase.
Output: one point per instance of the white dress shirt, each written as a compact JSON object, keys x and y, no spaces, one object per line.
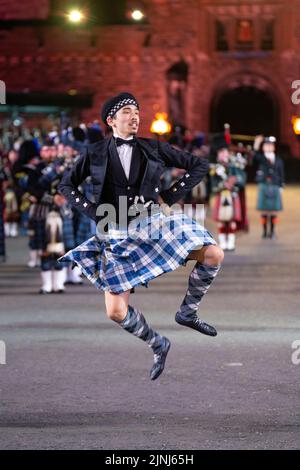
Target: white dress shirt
{"x":125,"y":155}
{"x":271,"y":157}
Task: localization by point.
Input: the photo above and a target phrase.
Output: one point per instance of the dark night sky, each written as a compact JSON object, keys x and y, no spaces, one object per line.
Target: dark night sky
{"x":109,"y":10}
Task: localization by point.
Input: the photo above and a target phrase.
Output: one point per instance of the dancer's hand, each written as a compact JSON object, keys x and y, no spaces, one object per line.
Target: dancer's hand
{"x":164,"y":207}
{"x":59,"y":200}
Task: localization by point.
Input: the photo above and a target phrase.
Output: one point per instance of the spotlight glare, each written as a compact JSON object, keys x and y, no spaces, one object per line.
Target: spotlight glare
{"x":137,"y":15}
{"x":75,"y":16}
{"x":296,"y":125}
{"x":72,"y":92}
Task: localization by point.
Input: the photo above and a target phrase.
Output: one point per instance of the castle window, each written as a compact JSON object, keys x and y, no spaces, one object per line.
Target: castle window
{"x":245,"y":34}
{"x":221,"y":36}
{"x":267,"y":39}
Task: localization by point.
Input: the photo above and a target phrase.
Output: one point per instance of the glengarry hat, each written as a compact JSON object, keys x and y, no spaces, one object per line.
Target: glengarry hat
{"x":270,"y":139}
{"x":112,"y":105}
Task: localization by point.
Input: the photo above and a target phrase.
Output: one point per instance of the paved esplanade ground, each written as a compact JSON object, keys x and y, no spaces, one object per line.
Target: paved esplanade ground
{"x":74,"y":380}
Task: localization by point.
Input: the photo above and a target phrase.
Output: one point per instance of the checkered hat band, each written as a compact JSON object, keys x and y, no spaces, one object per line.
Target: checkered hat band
{"x":120,"y":105}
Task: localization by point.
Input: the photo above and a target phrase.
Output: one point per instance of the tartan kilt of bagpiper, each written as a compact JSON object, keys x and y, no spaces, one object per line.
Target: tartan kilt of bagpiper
{"x":37,"y":226}
{"x":77,"y":231}
{"x":84,"y":229}
{"x":122,"y":259}
{"x":269,"y":197}
{"x":68,"y":233}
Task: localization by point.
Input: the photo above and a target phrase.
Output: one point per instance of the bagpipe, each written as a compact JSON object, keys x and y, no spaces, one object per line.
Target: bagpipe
{"x":51,"y":177}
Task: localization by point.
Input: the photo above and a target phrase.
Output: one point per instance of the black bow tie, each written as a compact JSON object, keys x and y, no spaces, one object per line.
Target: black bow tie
{"x":120,"y":141}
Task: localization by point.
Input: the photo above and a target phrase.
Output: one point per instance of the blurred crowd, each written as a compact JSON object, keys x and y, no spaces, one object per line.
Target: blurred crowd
{"x":21,"y":149}
{"x":33,"y":161}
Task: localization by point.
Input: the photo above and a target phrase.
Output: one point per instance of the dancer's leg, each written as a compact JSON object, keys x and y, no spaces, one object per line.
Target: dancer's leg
{"x":209,"y":259}
{"x":133,"y":321}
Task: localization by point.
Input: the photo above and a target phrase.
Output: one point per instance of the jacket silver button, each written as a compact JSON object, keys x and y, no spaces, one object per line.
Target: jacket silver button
{"x":73,"y":192}
{"x":187,"y":175}
{"x":77,"y":199}
{"x":85,"y":204}
{"x":128,"y":187}
{"x":156,"y":190}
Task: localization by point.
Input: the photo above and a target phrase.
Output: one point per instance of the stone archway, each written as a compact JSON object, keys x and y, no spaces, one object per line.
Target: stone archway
{"x":248,"y":103}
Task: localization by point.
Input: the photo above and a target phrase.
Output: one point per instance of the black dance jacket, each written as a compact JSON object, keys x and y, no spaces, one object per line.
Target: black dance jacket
{"x":159,"y":155}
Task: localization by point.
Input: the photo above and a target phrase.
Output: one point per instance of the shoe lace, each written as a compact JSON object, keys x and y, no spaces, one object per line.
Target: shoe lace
{"x":157,"y":355}
{"x":156,"y":358}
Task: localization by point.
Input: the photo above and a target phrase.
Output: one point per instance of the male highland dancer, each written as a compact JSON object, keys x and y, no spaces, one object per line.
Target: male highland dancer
{"x":128,"y":168}
{"x":270,"y":179}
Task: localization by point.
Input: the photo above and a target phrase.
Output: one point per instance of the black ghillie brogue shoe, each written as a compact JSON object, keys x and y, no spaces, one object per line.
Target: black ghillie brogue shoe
{"x":160,"y":359}
{"x":196,"y":324}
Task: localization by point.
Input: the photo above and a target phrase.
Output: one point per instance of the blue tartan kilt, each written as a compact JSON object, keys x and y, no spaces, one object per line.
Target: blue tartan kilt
{"x":84,"y":229}
{"x":75,"y":234}
{"x":68,"y":233}
{"x":120,"y":260}
{"x":269,"y":197}
{"x":37,"y":234}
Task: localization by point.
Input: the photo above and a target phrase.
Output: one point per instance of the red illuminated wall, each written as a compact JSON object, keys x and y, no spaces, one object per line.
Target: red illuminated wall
{"x":106,"y":60}
{"x":26,"y":9}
